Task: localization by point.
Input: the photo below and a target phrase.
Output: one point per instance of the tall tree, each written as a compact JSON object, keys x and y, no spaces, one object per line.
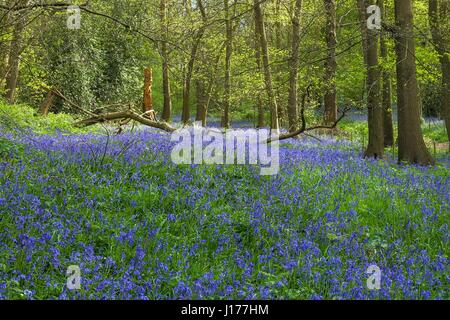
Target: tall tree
{"x":259,"y":100}
{"x":259,"y":17}
{"x":330,"y":64}
{"x":167,"y":107}
{"x":4,"y":47}
{"x":439,"y":23}
{"x":411,"y":146}
{"x":227,"y":86}
{"x":185,"y":115}
{"x":12,"y":74}
{"x":388,"y":128}
{"x":293,"y":69}
{"x":375,"y":147}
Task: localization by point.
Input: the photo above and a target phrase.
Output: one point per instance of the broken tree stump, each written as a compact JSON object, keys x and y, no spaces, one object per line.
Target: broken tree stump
{"x":147,"y":109}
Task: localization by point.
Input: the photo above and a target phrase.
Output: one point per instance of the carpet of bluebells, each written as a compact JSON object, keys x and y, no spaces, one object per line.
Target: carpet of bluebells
{"x":140,"y":227}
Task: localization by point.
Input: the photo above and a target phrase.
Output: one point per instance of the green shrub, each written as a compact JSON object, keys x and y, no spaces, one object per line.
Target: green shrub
{"x":435,"y":132}
{"x":23,"y":117}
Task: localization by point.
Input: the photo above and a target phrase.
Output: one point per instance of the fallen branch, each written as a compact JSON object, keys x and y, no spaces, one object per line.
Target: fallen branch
{"x":71,"y":103}
{"x":125,"y":115}
{"x":303,"y":130}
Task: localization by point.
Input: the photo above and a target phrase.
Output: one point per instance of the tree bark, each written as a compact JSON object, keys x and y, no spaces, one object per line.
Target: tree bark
{"x":259,"y":17}
{"x":361,"y":4}
{"x":259,"y":104}
{"x":167,"y":108}
{"x":185,"y":116}
{"x":148,"y":82}
{"x":47,"y":103}
{"x":411,"y":146}
{"x":227,"y":86}
{"x":277,"y":39}
{"x":4,"y":49}
{"x":330,"y":64}
{"x":125,"y":115}
{"x":201,"y":102}
{"x":375,"y":147}
{"x":14,"y":56}
{"x":388,"y":127}
{"x":438,"y":18}
{"x":293,"y":69}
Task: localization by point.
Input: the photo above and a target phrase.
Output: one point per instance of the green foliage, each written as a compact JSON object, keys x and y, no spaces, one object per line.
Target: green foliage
{"x":435,"y":132}
{"x":356,"y":129}
{"x":23,"y":117}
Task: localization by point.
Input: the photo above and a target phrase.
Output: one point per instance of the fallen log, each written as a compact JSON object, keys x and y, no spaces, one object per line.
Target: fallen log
{"x":124,"y":115}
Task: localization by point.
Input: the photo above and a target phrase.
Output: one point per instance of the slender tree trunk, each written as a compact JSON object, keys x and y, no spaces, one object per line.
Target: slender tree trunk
{"x":204,"y":96}
{"x":278,"y":32}
{"x":4,"y":49}
{"x":293,"y":69}
{"x":14,"y":57}
{"x":277,"y":70}
{"x":411,"y":146}
{"x":330,"y":65}
{"x":229,"y":42}
{"x":201,"y":102}
{"x":259,"y":17}
{"x":167,"y":108}
{"x":445,"y":65}
{"x":363,"y":27}
{"x":185,"y":116}
{"x":388,"y":127}
{"x":259,"y":106}
{"x":438,"y":12}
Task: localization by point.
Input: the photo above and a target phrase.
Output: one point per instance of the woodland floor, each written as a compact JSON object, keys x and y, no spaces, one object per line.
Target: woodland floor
{"x":141,"y":227}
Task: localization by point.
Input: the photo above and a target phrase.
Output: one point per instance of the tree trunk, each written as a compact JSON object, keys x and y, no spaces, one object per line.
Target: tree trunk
{"x":259,"y":106}
{"x":363,"y":27}
{"x":375,"y":147}
{"x":439,"y":25}
{"x":185,"y":116}
{"x":259,"y":17}
{"x":201,"y":102}
{"x":14,"y":57}
{"x":330,"y":115}
{"x":147,"y":105}
{"x":293,"y":69}
{"x":227,"y":86}
{"x":167,"y":108}
{"x":47,"y":104}
{"x":277,"y":68}
{"x":411,"y":146}
{"x":4,"y":49}
{"x":445,"y":65}
{"x":388,"y":128}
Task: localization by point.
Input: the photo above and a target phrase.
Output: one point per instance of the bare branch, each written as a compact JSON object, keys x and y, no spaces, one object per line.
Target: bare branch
{"x":121,"y":115}
{"x":304,"y":129}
